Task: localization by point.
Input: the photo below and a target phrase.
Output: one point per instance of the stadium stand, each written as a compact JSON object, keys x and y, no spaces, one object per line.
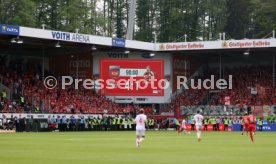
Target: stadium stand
{"x":29,"y":94}
{"x":252,"y":86}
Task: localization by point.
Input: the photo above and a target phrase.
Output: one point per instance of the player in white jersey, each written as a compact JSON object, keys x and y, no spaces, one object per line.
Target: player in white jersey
{"x":141,"y":121}
{"x":183,"y":127}
{"x":198,"y":118}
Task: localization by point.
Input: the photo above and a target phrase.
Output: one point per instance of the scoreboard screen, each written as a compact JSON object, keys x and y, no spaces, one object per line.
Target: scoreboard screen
{"x":132,"y":77}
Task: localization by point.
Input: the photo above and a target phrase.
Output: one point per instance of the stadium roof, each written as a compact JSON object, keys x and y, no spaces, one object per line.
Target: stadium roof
{"x":37,"y":39}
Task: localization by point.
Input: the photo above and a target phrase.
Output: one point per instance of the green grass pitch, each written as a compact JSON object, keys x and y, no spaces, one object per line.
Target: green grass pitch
{"x":162,"y":147}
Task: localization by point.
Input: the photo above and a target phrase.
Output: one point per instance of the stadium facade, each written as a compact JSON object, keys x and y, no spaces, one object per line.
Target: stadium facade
{"x":82,"y":55}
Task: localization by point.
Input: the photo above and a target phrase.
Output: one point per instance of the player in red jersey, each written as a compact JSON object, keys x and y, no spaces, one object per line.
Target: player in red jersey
{"x":252,"y":125}
{"x":245,"y":123}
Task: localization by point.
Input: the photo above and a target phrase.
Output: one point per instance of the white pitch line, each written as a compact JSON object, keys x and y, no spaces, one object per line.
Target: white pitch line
{"x":119,"y":139}
{"x":97,"y":139}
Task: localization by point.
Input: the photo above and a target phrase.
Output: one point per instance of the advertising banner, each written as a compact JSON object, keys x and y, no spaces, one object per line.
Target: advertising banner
{"x":209,"y":127}
{"x":118,"y":42}
{"x":9,"y":29}
{"x":267,"y":127}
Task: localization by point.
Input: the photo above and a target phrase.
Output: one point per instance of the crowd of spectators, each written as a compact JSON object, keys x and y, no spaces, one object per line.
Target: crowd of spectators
{"x":29,"y":95}
{"x":191,"y":96}
{"x":251,"y":86}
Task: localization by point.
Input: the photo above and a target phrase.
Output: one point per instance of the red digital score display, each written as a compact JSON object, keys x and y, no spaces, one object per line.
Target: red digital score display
{"x":132,"y":77}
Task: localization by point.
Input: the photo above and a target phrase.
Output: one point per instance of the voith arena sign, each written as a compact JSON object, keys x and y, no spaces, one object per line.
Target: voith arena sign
{"x":66,"y":36}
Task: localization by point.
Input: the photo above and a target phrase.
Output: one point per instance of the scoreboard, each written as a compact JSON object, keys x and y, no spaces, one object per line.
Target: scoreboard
{"x":129,"y":77}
